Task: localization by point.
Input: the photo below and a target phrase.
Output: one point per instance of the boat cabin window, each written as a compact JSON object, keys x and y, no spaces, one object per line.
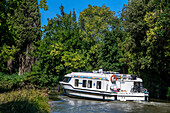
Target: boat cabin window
{"x":89,"y":84}
{"x":138,"y":84}
{"x":66,"y":79}
{"x":98,"y":86}
{"x":76,"y":82}
{"x":84,"y":83}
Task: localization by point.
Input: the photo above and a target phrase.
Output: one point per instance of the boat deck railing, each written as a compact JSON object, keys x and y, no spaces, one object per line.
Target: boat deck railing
{"x":106,"y":72}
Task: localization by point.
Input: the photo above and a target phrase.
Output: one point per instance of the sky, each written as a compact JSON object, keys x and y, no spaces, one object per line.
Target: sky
{"x":78,"y":5}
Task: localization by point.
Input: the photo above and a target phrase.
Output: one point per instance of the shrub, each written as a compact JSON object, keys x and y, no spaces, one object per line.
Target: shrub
{"x":41,"y":80}
{"x":9,"y":82}
{"x":168,"y":93}
{"x":38,"y":80}
{"x":27,"y":101}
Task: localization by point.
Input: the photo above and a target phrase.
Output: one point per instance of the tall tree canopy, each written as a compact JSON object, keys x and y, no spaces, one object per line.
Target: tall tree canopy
{"x":19,"y":29}
{"x":147,"y":44}
{"x":26,"y":23}
{"x":60,"y":49}
{"x":94,"y":23}
{"x":7,"y":36}
{"x":135,"y":25}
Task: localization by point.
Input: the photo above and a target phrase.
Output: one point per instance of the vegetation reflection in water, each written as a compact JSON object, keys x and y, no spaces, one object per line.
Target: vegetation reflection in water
{"x":74,"y":105}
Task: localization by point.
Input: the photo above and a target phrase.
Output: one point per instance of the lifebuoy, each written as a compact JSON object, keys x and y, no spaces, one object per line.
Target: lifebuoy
{"x":112,"y":77}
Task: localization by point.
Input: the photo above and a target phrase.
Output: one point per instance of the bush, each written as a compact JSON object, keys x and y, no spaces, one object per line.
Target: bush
{"x":168,"y":93}
{"x":41,"y":80}
{"x":27,"y":101}
{"x":38,"y":80}
{"x":9,"y":82}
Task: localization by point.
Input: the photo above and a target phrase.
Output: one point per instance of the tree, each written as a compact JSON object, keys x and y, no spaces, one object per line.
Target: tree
{"x":146,"y":47}
{"x":11,"y":23}
{"x":157,"y":45}
{"x":135,"y":25}
{"x":94,"y":22}
{"x":59,"y":51}
{"x":7,"y":36}
{"x":110,"y":55}
{"x":26,"y":23}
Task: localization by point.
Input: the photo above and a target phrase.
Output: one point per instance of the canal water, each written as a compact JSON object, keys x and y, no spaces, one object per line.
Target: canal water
{"x":74,"y":105}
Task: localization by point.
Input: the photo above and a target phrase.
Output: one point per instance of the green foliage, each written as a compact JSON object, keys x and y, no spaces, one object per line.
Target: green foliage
{"x":43,"y":5}
{"x":7,"y":36}
{"x":6,"y":32}
{"x":45,"y":70}
{"x":95,"y":23}
{"x":145,"y":50}
{"x":73,"y":61}
{"x":9,"y":82}
{"x":59,"y":50}
{"x":7,"y":53}
{"x":126,"y":47}
{"x":19,"y":29}
{"x":168,"y":93}
{"x":135,"y":25}
{"x":157,"y":37}
{"x":27,"y":101}
{"x":110,"y":54}
{"x":26,"y":24}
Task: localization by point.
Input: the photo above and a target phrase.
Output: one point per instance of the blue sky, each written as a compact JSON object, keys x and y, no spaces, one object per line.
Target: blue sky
{"x":78,"y":5}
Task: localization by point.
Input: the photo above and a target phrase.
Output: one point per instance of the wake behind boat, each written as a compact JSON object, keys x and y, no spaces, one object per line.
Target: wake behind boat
{"x":105,"y":85}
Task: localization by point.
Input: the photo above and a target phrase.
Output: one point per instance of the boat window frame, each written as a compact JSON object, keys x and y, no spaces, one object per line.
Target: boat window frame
{"x":76,"y":83}
{"x":89,"y":84}
{"x":84,"y":84}
{"x":67,"y":79}
{"x":98,"y":85}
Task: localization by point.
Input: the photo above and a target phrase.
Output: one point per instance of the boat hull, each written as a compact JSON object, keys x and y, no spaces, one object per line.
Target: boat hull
{"x":102,"y":95}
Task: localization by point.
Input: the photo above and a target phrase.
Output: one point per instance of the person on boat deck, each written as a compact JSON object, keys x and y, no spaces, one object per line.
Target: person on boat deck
{"x":100,"y":70}
{"x":137,"y":87}
{"x":113,"y":87}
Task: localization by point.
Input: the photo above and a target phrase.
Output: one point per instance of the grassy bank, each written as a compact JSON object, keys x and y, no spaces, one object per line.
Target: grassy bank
{"x":18,"y":94}
{"x":24,"y":100}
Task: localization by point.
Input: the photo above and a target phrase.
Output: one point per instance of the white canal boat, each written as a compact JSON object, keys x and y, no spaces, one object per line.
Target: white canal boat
{"x":104,"y":85}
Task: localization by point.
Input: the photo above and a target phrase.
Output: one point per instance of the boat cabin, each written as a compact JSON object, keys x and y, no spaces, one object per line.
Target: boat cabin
{"x":106,"y":84}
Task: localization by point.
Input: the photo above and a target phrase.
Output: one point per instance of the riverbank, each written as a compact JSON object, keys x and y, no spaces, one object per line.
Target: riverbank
{"x":53,"y":94}
{"x":24,"y":100}
{"x":159,"y":100}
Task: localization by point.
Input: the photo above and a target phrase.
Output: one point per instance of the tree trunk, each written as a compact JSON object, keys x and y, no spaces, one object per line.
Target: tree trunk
{"x":9,"y":65}
{"x":21,"y":71}
{"x":26,"y":61}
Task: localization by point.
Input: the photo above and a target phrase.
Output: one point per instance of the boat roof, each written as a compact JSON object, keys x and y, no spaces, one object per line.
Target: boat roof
{"x":102,"y":75}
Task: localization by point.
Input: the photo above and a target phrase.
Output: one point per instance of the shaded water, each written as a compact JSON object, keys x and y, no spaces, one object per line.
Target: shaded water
{"x":73,"y":105}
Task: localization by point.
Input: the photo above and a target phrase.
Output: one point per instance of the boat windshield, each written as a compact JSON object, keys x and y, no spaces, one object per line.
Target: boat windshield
{"x":66,"y":79}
